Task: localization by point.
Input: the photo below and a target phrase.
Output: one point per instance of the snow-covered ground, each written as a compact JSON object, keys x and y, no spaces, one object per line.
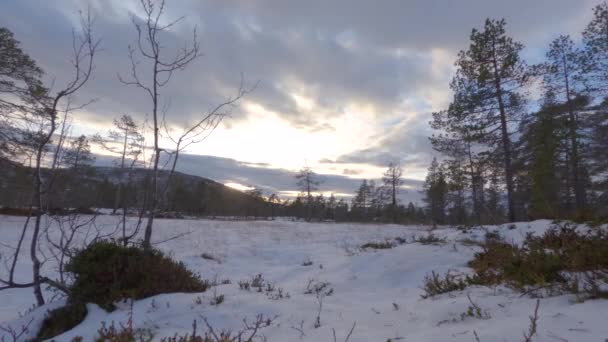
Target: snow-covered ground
{"x":378,"y":289}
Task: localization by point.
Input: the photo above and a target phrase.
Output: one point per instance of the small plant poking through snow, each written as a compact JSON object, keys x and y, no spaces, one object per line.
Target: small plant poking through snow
{"x":429,"y":239}
{"x":474,"y":311}
{"x":210,"y":257}
{"x":260,"y":285}
{"x":110,"y":333}
{"x":532,"y":328}
{"x":307,"y":263}
{"x":217,"y":300}
{"x":320,"y":290}
{"x":387,"y":244}
{"x":434,"y":284}
{"x":126,"y":333}
{"x":314,"y":287}
{"x":350,"y":333}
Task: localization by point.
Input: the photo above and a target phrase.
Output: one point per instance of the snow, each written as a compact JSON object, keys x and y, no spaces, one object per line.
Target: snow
{"x":378,"y":289}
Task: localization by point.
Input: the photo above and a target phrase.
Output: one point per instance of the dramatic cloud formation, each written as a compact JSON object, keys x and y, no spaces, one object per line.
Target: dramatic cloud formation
{"x":345,"y":86}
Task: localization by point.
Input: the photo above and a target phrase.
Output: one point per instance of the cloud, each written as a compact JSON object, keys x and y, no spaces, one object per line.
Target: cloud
{"x":270,"y":180}
{"x":321,"y":65}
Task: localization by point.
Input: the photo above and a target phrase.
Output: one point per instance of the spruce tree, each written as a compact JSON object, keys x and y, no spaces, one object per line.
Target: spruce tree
{"x":564,"y":82}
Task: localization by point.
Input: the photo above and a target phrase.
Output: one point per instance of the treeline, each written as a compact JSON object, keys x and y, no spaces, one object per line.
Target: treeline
{"x":85,"y":187}
{"x":506,"y":156}
{"x":372,"y":202}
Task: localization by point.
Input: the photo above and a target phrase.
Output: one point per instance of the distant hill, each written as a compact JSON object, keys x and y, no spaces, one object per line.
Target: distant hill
{"x":98,"y":187}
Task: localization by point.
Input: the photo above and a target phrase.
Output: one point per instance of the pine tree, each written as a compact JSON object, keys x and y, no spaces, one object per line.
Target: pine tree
{"x":435,"y":190}
{"x":392,"y":181}
{"x":488,"y":93}
{"x":78,"y":155}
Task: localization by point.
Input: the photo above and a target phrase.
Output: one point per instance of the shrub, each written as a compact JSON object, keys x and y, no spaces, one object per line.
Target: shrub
{"x":429,"y":239}
{"x":378,"y":245}
{"x":123,"y":334}
{"x":561,"y":258}
{"x":15,"y":211}
{"x":434,"y":284}
{"x":61,"y":320}
{"x":106,"y":272}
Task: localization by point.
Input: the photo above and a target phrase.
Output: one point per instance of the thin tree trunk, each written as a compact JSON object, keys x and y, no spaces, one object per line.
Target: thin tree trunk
{"x":148,"y":232}
{"x":506,"y":142}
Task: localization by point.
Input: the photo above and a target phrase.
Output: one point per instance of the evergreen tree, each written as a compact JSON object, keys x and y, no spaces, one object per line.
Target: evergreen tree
{"x":78,"y":155}
{"x":598,"y":148}
{"x":392,"y":181}
{"x":564,"y":82}
{"x":595,"y":38}
{"x":488,"y":93}
{"x":456,"y":192}
{"x":331,"y":208}
{"x":20,"y":87}
{"x":362,"y":201}
{"x":540,"y":159}
{"x":435,"y":190}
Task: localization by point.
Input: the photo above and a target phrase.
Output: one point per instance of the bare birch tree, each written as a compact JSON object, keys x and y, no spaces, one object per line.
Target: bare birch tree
{"x":162,"y":66}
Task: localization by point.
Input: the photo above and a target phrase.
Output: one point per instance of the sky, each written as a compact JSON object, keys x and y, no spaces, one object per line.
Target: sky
{"x":343,"y":86}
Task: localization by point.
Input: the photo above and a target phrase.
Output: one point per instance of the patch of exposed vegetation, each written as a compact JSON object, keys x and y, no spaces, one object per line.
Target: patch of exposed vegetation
{"x":378,"y":245}
{"x":561,"y":260}
{"x":258,"y":284}
{"x":429,"y":239}
{"x":106,"y":272}
{"x":61,"y":320}
{"x":435,"y":284}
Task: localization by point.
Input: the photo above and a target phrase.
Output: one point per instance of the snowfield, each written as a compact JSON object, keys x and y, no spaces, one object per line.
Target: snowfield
{"x":379,"y":290}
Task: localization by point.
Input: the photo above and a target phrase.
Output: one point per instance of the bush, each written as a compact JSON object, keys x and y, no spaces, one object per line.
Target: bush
{"x":434,"y":284}
{"x":429,"y":239}
{"x":15,"y":211}
{"x":378,"y":245}
{"x":561,"y":258}
{"x":106,"y":272}
{"x":123,"y":334}
{"x":61,"y":320}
